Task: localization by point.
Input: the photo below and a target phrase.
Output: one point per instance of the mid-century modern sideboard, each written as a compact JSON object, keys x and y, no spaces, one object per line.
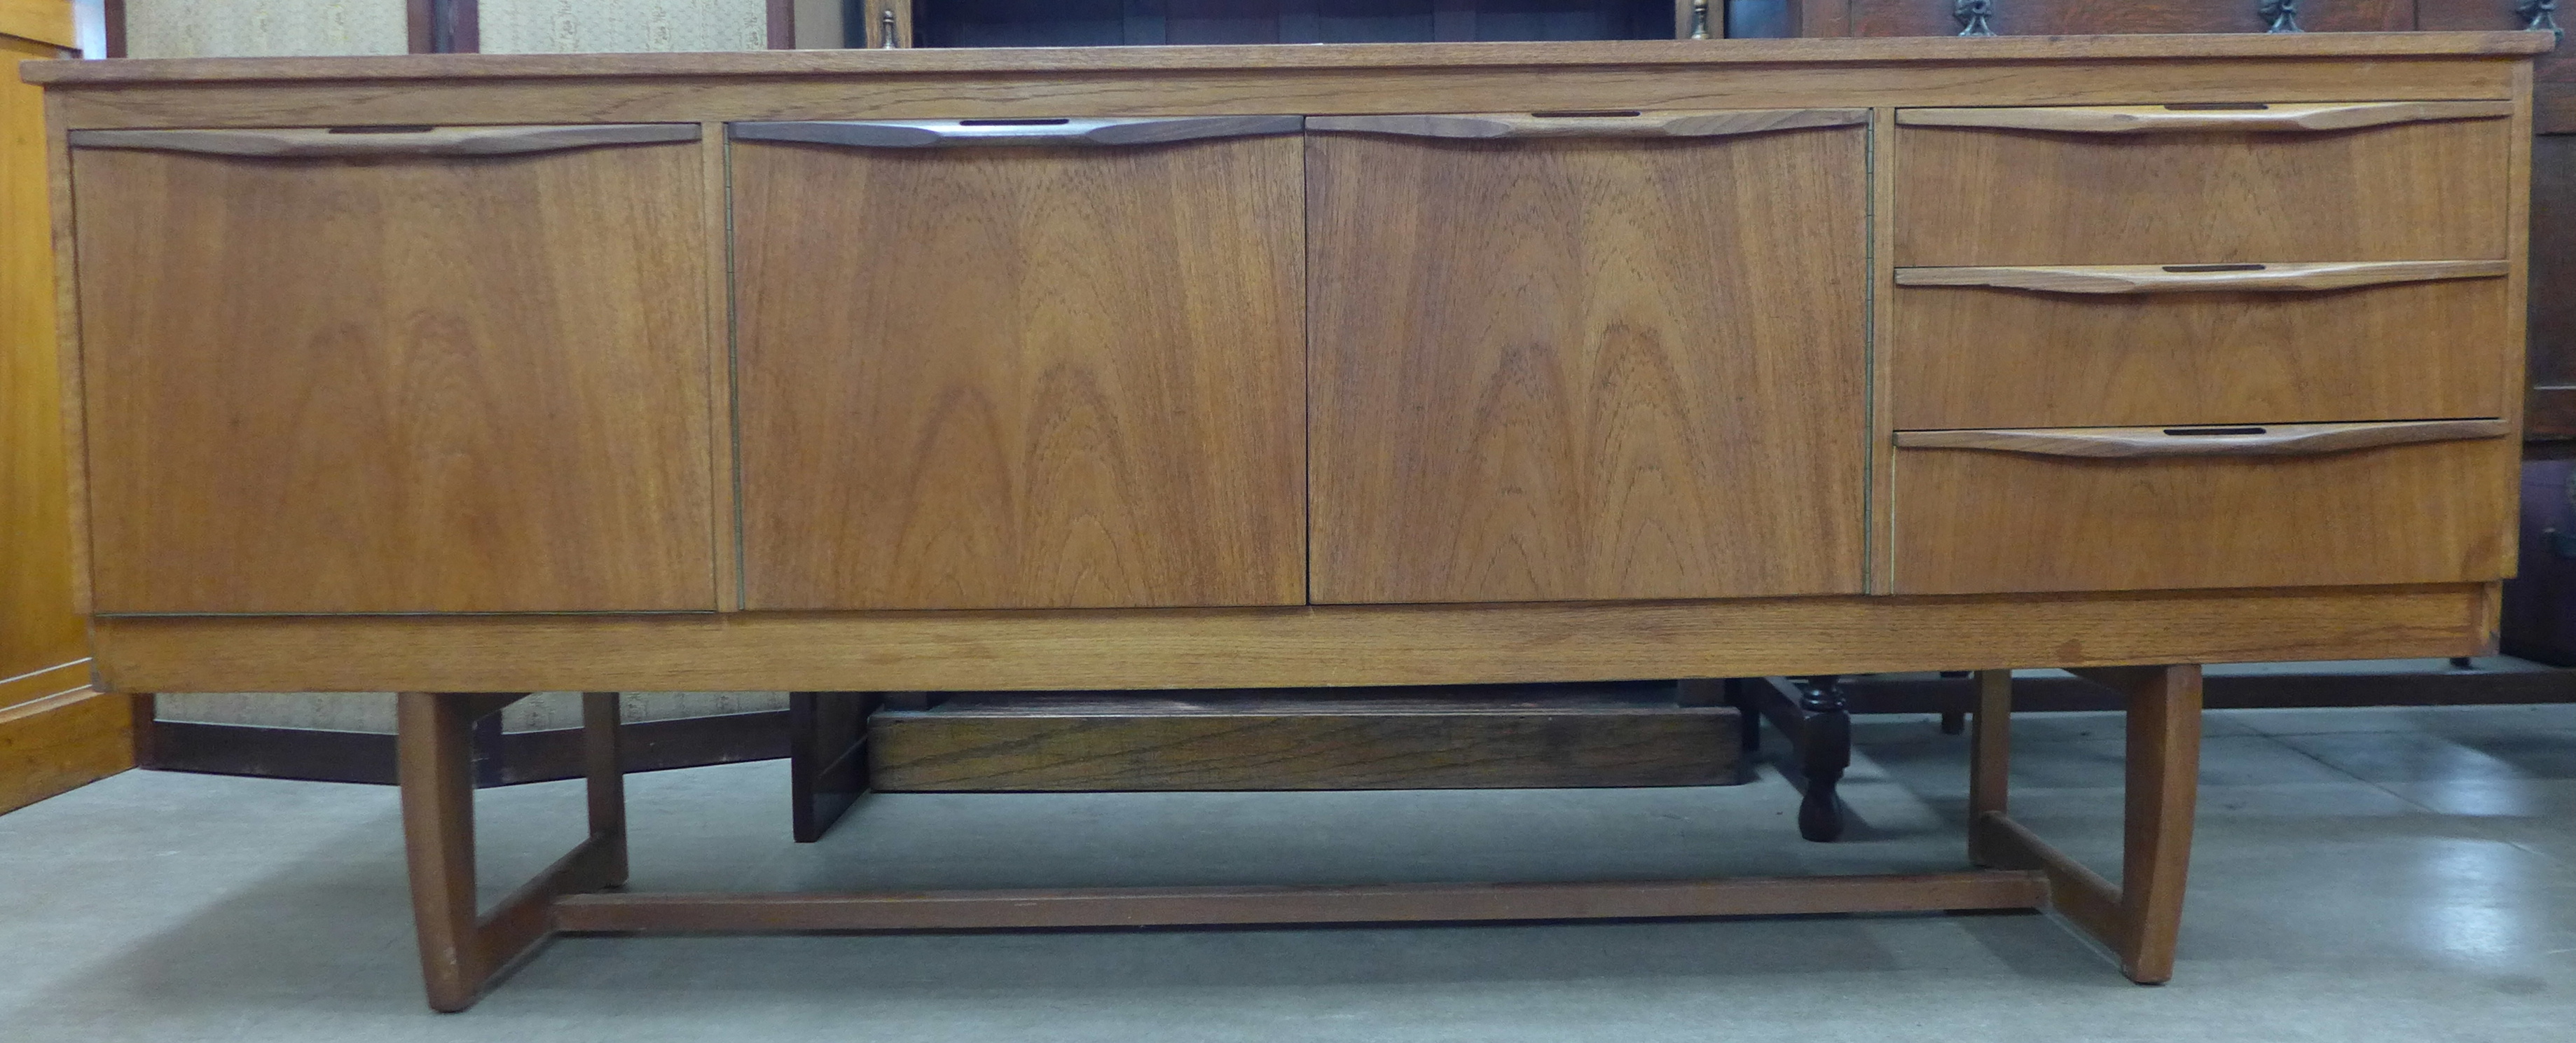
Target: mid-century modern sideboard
{"x":1291,"y":366}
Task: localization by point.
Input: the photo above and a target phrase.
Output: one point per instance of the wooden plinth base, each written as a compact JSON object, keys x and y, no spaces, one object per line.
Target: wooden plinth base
{"x":1495,"y":738}
{"x":463,"y":953}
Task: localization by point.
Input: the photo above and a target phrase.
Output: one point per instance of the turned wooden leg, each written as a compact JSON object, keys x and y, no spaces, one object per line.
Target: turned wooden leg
{"x":2141,"y":918}
{"x":1817,"y":723}
{"x":1824,"y":753}
{"x":462,"y":951}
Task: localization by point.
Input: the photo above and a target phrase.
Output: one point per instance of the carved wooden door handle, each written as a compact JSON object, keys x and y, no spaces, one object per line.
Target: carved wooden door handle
{"x":2245,"y":440}
{"x":300,"y":142}
{"x":1021,"y":132}
{"x":1590,"y":124}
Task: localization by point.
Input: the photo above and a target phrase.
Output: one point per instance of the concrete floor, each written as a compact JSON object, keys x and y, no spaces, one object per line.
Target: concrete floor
{"x":2360,"y":875}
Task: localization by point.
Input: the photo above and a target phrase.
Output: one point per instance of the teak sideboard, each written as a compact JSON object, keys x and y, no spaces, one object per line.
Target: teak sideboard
{"x":1291,"y":366}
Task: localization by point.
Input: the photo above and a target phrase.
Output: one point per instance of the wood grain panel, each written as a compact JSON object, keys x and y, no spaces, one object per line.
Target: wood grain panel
{"x":40,"y":628}
{"x":1292,"y":646}
{"x":1975,"y":357}
{"x":1021,"y":378}
{"x":396,"y":385}
{"x":1406,"y":738}
{"x":1970,"y":521}
{"x":2069,"y":17}
{"x":2414,"y":191}
{"x":1488,"y":77}
{"x":58,"y":744}
{"x":1581,"y":369}
{"x":1405,"y":56}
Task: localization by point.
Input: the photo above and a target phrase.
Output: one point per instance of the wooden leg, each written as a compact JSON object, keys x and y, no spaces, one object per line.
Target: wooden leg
{"x":604,"y":767}
{"x":1989,"y":755}
{"x":461,"y":952}
{"x":1818,"y":725}
{"x":2164,"y":787}
{"x":2141,"y":918}
{"x":827,"y":762}
{"x":435,"y":749}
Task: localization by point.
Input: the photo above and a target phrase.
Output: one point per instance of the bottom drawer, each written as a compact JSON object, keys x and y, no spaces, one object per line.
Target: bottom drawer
{"x":2163,"y":508}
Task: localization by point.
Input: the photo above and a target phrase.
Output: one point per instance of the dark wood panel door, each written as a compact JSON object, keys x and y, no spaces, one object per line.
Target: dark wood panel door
{"x":1553,"y":367}
{"x":419,"y":371}
{"x":1059,"y":372}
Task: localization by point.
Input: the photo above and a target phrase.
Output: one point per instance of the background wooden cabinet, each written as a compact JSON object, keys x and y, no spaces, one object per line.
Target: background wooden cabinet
{"x":1020,"y":375}
{"x":396,"y":372}
{"x":1586,"y":367}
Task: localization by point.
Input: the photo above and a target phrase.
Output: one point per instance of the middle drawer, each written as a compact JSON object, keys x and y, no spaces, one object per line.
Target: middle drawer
{"x":2196,"y":344}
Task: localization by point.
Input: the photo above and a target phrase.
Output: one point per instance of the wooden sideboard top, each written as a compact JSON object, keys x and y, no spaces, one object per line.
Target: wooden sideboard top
{"x":1261,"y":57}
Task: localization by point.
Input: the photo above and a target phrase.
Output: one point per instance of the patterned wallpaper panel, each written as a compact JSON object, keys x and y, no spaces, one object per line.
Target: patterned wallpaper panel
{"x":249,"y":28}
{"x":557,"y":26}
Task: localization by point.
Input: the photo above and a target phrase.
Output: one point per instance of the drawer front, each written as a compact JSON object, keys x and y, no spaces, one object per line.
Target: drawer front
{"x":407,"y":370}
{"x":2152,"y":185}
{"x":2115,"y":346}
{"x":1553,"y":363}
{"x":2142,"y":509}
{"x":1025,"y":364}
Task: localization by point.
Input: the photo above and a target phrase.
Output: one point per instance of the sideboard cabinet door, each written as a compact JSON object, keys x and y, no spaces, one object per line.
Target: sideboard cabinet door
{"x":397,"y":370}
{"x":1588,"y":356}
{"x":1020,"y":364}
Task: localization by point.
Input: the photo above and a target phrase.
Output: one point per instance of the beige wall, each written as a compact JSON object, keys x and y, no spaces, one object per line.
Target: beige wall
{"x":238,"y":28}
{"x":550,"y":26}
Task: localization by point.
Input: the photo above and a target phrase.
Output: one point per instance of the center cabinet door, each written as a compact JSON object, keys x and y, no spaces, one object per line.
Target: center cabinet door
{"x":1588,"y":356}
{"x":1021,"y":364}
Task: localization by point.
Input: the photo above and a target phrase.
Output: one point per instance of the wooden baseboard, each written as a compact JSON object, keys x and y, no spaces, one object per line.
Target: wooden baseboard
{"x":540,"y":756}
{"x":1530,"y":736}
{"x":2230,"y":691}
{"x":61,"y":742}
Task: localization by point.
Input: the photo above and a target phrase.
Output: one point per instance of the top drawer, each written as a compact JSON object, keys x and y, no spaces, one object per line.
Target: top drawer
{"x":2156,"y":184}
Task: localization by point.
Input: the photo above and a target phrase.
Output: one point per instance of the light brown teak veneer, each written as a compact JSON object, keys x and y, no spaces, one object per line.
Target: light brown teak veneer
{"x":1982,"y":356}
{"x":1975,"y":520}
{"x":1571,"y":368}
{"x":2008,"y":194}
{"x":1003,"y":376}
{"x":397,"y":383}
{"x":1836,"y":356}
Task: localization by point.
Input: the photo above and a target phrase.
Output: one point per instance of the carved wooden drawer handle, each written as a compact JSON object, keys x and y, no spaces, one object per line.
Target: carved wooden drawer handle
{"x":2149,"y":119}
{"x":1604,"y":124}
{"x":2245,"y":440}
{"x":1022,"y":132}
{"x":387,"y":141}
{"x":2202,"y":278}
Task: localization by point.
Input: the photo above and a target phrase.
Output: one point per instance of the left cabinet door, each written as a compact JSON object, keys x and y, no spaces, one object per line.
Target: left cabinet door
{"x":1021,"y":364}
{"x":397,"y":369}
